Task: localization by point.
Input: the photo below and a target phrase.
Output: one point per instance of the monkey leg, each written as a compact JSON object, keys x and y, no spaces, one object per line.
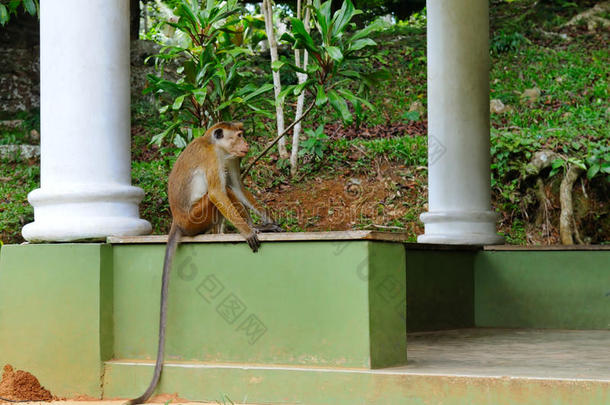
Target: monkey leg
{"x":202,"y":216}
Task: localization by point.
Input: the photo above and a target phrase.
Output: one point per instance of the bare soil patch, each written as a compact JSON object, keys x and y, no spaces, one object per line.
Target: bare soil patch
{"x":19,"y":385}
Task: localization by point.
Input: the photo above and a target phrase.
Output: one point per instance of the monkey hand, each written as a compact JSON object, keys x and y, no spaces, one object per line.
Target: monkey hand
{"x":269,"y":227}
{"x":253,"y":242}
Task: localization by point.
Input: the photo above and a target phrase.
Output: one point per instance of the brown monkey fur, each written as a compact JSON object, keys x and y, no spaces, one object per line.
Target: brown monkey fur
{"x":204,"y":187}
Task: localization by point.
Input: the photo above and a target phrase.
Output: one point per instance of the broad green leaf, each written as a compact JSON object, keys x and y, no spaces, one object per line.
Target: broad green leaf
{"x":190,"y":71}
{"x":198,"y":132}
{"x":179,"y":141}
{"x":411,"y":115}
{"x":323,"y":17}
{"x":289,"y":63}
{"x":366,"y":31}
{"x":277,"y":65}
{"x":355,"y":100}
{"x":302,"y":37}
{"x":557,"y":163}
{"x":321,"y":97}
{"x":30,"y":6}
{"x":159,"y":137}
{"x":298,"y":89}
{"x":283,"y":93}
{"x":185,"y":11}
{"x":3,"y":14}
{"x":339,"y":104}
{"x":361,"y":43}
{"x":334,"y":53}
{"x":287,"y":38}
{"x":178,"y":102}
{"x":342,"y":17}
{"x":263,"y":89}
{"x":593,"y":170}
{"x":350,"y":73}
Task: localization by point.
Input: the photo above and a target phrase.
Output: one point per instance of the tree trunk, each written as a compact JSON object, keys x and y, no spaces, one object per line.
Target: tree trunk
{"x":277,"y":85}
{"x":294,"y":153}
{"x":567,"y":224}
{"x":134,"y":19}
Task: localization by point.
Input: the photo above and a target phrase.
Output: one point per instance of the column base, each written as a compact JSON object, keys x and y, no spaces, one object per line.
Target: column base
{"x":85,"y":212}
{"x":460,"y":228}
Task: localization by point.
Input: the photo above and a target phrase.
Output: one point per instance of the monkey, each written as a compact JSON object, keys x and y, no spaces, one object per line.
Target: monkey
{"x":204,"y":187}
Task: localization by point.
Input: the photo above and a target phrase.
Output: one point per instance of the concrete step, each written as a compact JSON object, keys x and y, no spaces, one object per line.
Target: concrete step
{"x":466,"y":366}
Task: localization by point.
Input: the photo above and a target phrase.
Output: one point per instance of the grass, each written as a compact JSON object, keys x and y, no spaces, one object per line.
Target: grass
{"x":16,"y":181}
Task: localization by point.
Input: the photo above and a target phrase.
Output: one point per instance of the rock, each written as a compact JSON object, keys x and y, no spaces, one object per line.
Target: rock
{"x":35,"y":136}
{"x":531,"y":96}
{"x":19,"y":152}
{"x":594,"y":18}
{"x":496,"y":106}
{"x":11,"y":124}
{"x":541,"y":160}
{"x":419,"y":107}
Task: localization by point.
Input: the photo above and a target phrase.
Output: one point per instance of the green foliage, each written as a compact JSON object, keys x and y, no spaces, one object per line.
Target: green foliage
{"x":316,"y":142}
{"x":18,"y":179}
{"x":213,"y":82}
{"x":598,"y":163}
{"x":504,"y":41}
{"x":332,"y":67}
{"x":11,"y":7}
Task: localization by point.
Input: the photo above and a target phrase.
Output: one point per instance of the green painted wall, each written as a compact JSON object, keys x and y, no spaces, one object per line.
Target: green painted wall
{"x":543,"y":289}
{"x":310,"y":303}
{"x":440,"y":289}
{"x":66,"y":308}
{"x":55,"y":313}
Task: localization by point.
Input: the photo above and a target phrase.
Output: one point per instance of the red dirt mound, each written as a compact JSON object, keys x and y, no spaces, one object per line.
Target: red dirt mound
{"x":19,"y":385}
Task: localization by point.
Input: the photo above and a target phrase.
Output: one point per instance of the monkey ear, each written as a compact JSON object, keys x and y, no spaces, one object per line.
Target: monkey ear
{"x":218,"y":133}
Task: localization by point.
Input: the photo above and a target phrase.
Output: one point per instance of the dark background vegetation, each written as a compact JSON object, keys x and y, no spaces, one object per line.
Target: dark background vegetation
{"x":551,"y":76}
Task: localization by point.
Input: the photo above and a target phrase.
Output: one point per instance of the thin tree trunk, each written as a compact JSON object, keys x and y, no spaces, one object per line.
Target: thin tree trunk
{"x":277,"y":85}
{"x":567,"y":224}
{"x":134,"y":23}
{"x":294,"y":154}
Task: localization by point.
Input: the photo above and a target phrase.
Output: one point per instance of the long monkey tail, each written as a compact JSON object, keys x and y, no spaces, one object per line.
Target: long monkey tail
{"x":173,"y":240}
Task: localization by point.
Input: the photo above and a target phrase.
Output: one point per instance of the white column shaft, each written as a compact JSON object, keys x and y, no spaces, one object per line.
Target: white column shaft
{"x":86,"y":187}
{"x":458,"y":124}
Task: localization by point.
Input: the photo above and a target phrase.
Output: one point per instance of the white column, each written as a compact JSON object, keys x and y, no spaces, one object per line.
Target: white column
{"x":85,"y":177}
{"x":459,"y":201}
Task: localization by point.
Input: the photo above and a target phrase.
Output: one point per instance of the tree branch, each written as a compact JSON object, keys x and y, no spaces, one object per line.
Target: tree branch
{"x":268,"y":147}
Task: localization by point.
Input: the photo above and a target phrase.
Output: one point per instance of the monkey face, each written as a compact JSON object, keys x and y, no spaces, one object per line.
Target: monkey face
{"x":231,"y":140}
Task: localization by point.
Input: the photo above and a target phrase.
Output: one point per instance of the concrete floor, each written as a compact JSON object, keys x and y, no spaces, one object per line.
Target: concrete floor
{"x":480,"y":353}
{"x":526,"y":353}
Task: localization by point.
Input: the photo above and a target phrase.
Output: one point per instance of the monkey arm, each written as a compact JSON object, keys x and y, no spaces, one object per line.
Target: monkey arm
{"x":243,"y":211}
{"x":224,"y":204}
{"x":246,"y":197}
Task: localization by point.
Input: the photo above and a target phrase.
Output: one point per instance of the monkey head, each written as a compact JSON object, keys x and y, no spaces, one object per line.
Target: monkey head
{"x":229,"y":137}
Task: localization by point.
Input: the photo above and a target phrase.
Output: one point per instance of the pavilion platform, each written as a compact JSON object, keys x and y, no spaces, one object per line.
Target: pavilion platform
{"x":313,"y":318}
